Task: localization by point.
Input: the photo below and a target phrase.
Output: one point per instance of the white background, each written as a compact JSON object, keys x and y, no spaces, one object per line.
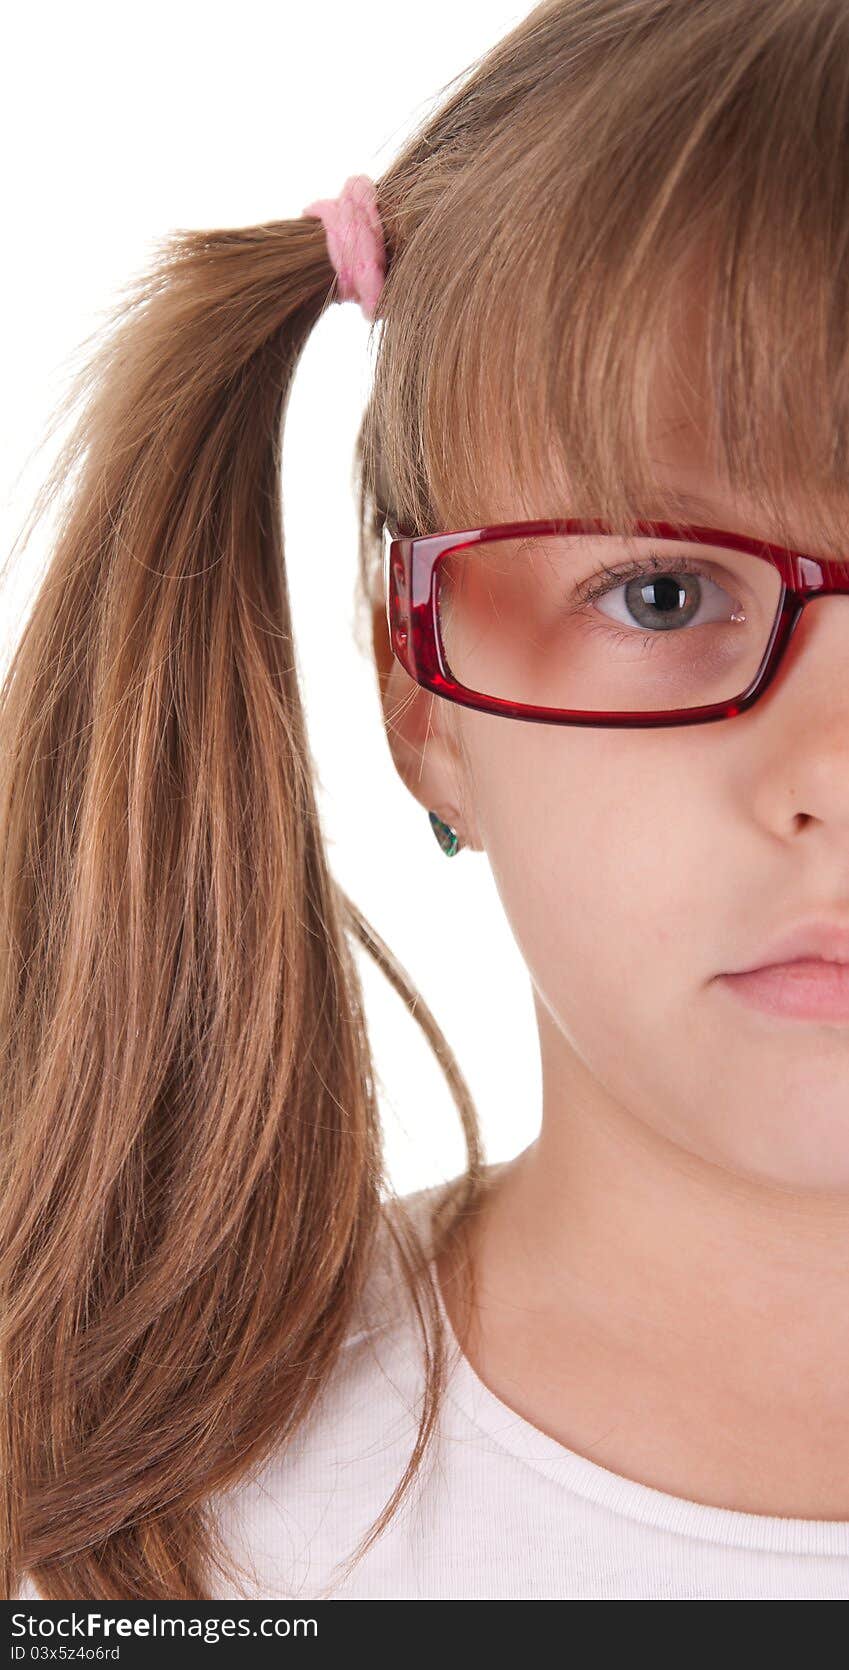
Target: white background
{"x":120,"y":124}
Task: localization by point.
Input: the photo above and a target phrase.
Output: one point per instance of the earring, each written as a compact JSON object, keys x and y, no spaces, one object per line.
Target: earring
{"x":447,"y":837}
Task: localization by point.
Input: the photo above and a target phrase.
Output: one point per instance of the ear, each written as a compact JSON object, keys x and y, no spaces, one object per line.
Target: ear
{"x":422,"y":738}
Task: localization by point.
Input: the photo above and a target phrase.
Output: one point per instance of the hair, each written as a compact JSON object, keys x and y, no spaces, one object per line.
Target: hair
{"x":187,"y":1092}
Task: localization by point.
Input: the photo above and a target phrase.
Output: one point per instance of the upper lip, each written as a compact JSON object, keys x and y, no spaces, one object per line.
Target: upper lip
{"x":825,"y":941}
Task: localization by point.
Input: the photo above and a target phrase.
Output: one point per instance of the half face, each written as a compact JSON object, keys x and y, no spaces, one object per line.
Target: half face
{"x":637,"y":867}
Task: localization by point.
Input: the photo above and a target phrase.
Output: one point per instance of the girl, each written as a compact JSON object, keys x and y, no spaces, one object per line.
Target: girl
{"x":608,"y":440}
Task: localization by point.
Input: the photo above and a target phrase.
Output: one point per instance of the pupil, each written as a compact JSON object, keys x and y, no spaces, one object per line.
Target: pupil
{"x":667,"y":593}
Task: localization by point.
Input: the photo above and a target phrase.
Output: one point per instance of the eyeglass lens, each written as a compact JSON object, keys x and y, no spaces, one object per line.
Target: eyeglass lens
{"x":595,"y":622}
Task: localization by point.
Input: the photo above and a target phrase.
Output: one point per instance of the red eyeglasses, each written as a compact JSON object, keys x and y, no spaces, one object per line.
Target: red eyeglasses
{"x":570,"y":622}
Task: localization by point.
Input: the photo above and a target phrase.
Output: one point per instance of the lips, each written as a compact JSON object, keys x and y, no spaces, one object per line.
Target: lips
{"x":802,"y":974}
{"x":807,"y":989}
{"x":819,"y":940}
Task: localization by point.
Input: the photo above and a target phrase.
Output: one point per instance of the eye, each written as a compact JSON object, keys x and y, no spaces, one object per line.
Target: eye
{"x":664,"y":599}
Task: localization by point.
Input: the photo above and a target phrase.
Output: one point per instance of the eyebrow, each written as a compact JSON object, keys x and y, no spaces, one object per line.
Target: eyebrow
{"x":682,"y":504}
{"x":679,"y":499}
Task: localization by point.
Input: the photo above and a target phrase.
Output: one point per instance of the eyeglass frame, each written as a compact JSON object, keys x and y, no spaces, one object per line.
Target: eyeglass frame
{"x":411,"y":561}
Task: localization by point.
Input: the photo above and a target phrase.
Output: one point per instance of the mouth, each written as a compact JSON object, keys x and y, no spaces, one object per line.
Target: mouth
{"x":807,"y":989}
{"x":803,"y":974}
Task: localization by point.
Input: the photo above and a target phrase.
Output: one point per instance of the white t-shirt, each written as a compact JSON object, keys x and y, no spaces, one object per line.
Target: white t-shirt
{"x":499,"y":1510}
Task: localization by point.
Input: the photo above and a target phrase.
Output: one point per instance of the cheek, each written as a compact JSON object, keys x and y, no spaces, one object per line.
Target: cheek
{"x":591,"y":851}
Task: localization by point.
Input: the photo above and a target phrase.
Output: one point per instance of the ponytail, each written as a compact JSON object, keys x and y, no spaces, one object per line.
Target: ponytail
{"x":191,"y":1155}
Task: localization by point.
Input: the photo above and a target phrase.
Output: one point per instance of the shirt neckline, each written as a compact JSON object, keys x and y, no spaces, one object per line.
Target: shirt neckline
{"x":657,"y":1508}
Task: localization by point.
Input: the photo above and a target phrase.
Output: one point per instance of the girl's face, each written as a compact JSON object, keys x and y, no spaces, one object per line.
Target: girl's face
{"x":637,"y":866}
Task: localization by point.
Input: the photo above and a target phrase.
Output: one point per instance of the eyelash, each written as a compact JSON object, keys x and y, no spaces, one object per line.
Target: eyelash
{"x":590,"y":590}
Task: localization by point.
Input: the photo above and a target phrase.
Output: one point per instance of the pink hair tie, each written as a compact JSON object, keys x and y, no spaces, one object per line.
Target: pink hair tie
{"x":354,"y":241}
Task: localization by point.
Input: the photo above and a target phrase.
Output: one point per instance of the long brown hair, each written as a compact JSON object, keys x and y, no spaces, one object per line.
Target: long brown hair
{"x":192,"y":1165}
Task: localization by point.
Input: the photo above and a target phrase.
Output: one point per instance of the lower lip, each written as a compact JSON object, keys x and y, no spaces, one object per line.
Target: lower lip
{"x":808,"y":990}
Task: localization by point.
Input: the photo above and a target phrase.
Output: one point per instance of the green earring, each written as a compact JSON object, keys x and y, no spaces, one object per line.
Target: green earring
{"x":447,"y":837}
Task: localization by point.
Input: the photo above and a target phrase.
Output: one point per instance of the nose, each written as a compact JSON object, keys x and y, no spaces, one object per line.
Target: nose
{"x":819,"y":641}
